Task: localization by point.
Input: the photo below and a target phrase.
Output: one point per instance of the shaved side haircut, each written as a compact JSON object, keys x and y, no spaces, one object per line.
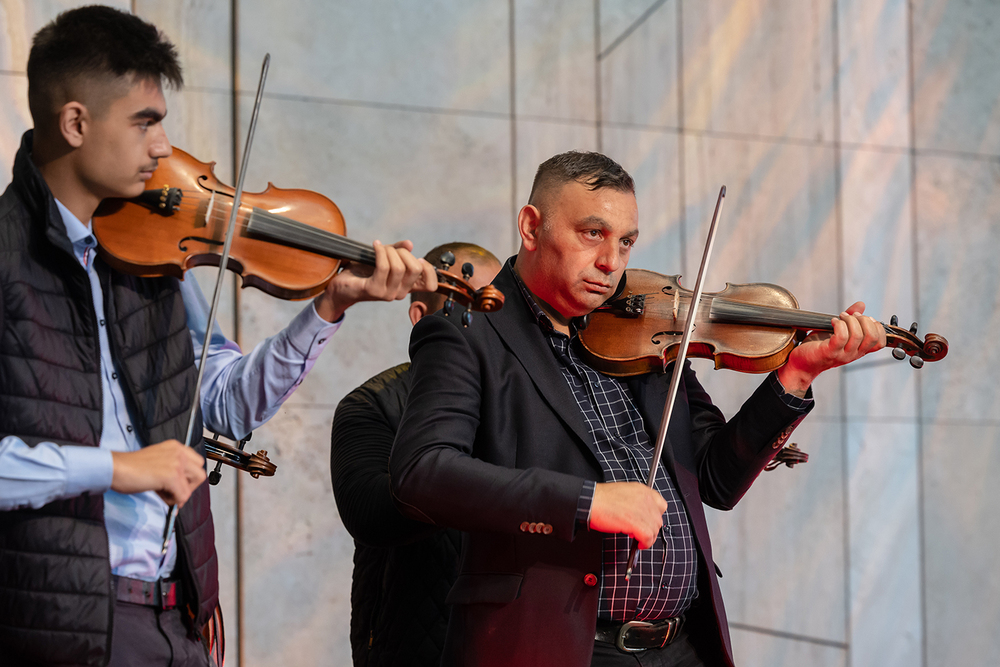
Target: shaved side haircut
{"x":593,"y":170}
{"x":91,"y":53}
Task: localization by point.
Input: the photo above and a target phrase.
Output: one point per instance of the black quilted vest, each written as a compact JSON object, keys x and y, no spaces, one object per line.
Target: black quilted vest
{"x":56,"y":605}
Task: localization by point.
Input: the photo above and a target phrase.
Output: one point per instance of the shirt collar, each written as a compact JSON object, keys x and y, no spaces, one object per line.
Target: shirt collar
{"x":78,"y":233}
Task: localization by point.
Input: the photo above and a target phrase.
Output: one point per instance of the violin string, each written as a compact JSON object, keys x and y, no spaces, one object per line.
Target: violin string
{"x":290,"y":230}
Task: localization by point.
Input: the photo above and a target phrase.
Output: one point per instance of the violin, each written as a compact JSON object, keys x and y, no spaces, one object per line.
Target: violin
{"x":750,"y":328}
{"x":288,"y":243}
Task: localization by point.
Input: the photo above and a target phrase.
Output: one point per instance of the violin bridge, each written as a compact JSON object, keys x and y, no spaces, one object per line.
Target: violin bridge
{"x":677,"y":303}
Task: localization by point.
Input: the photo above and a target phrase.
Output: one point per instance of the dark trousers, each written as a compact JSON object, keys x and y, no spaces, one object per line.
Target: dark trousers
{"x":148,"y":636}
{"x":680,"y":653}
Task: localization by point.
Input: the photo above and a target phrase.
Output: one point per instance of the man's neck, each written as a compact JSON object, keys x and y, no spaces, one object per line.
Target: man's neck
{"x":559,"y":322}
{"x":57,"y":168}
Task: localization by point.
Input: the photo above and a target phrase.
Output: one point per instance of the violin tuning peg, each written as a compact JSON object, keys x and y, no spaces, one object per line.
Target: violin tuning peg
{"x":447,"y":260}
{"x":466,"y":318}
{"x":899,"y":353}
{"x":449,"y":306}
{"x":894,"y":321}
{"x":467,"y":270}
{"x":913,"y":328}
{"x":916,"y":361}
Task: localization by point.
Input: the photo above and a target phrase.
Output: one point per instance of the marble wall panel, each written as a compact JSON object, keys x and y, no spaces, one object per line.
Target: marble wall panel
{"x":21,"y":19}
{"x":428,"y":177}
{"x":781,"y":548}
{"x":878,"y":269}
{"x":449,"y":54}
{"x":539,"y":140}
{"x":956,"y":81}
{"x":651,"y":159}
{"x":958,"y":205}
{"x":761,"y":68}
{"x":961,"y":525}
{"x":555,"y":57}
{"x":639,"y":73}
{"x":778,"y":226}
{"x":884,"y":542}
{"x":298,"y":557}
{"x":201,"y":30}
{"x":14,"y":120}
{"x":759,"y":648}
{"x":873,"y":71}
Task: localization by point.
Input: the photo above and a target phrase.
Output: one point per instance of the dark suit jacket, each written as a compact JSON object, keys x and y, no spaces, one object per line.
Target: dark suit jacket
{"x":492,"y":438}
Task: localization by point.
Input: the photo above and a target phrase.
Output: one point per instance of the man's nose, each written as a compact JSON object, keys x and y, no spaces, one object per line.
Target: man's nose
{"x":609,"y":259}
{"x":161,"y":148}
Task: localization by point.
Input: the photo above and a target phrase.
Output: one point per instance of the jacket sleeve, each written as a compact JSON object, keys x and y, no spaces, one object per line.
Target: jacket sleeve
{"x":437,"y":473}
{"x":359,"y":465}
{"x":731,"y":454}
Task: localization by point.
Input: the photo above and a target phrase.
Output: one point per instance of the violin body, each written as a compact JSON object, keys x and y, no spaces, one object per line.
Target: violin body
{"x":139,"y":237}
{"x":750,"y":328}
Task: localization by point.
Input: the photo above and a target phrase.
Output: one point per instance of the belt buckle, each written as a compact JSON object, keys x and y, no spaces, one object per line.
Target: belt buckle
{"x":620,"y":639}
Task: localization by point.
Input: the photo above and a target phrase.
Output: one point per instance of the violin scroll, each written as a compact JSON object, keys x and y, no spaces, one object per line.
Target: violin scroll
{"x":906,"y":343}
{"x":256,"y":464}
{"x":457,"y":289}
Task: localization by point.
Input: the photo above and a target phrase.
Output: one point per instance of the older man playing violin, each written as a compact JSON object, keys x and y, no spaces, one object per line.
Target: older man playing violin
{"x":97,"y":370}
{"x":509,"y":436}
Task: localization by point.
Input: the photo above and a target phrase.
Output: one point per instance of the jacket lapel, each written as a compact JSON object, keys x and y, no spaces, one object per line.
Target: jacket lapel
{"x":516,"y":326}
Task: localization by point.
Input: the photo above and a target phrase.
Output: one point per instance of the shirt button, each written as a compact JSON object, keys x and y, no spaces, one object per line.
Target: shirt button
{"x":590,"y":579}
{"x":321,"y":341}
{"x":102,"y":322}
{"x":114,"y":376}
{"x":128,"y":427}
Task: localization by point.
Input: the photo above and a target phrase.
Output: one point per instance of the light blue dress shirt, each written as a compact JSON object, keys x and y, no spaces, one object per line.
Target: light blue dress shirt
{"x":238,"y":394}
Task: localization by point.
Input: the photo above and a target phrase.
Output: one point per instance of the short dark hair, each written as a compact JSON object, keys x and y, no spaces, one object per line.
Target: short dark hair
{"x":594,"y":170}
{"x":100,"y":43}
{"x":433,"y":257}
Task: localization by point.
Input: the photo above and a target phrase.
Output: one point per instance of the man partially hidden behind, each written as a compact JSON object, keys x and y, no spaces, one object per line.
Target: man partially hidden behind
{"x":509,"y":436}
{"x":403,"y":568}
{"x":97,"y":371}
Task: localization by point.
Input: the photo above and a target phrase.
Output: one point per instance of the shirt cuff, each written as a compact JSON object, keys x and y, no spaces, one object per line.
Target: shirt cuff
{"x":584,"y":504}
{"x":87,"y":469}
{"x":309,"y":333}
{"x":800,"y":404}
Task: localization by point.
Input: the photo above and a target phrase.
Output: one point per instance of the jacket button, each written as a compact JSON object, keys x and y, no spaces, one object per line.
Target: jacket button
{"x":590,"y":579}
{"x":532,"y":527}
{"x":524,"y":526}
{"x":547,"y":530}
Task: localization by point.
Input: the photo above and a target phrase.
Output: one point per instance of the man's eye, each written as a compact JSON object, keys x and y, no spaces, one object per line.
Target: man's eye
{"x":628,"y":243}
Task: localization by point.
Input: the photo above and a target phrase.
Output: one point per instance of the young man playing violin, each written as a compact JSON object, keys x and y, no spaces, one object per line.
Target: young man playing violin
{"x":97,"y":370}
{"x":509,"y":436}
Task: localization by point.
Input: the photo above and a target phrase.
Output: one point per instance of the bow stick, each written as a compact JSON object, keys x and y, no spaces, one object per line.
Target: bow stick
{"x":168,"y":530}
{"x":675,"y":379}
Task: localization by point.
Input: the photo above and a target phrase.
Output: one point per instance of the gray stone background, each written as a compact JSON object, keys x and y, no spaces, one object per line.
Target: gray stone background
{"x":860,"y":143}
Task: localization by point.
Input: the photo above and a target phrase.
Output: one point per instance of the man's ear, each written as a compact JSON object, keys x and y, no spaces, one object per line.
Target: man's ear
{"x":73,"y":118}
{"x":417,"y":311}
{"x":529,"y":222}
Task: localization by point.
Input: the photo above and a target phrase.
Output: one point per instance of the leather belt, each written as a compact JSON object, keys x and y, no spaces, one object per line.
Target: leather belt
{"x":635,"y":636}
{"x":162,"y":593}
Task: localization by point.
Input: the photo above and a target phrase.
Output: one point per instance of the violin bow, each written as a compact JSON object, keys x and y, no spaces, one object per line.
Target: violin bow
{"x":675,"y":378}
{"x":168,"y":530}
